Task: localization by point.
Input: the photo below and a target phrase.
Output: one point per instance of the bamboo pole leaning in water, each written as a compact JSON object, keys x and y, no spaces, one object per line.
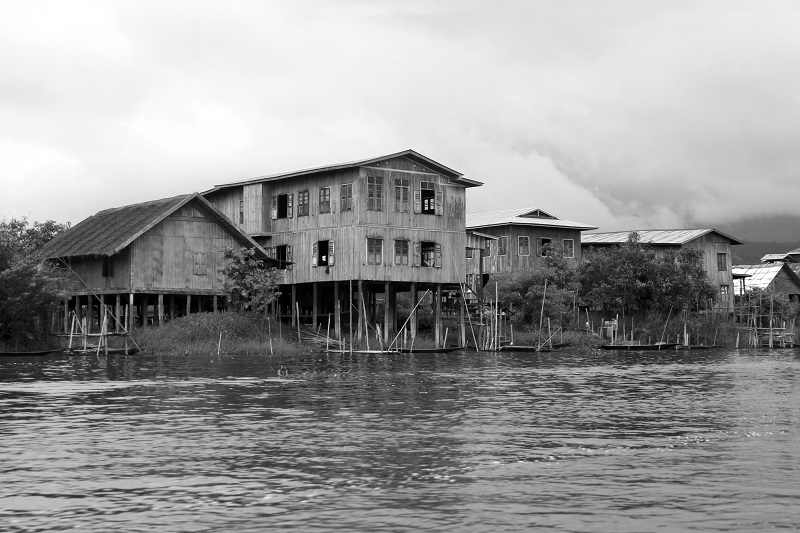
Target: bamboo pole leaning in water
{"x":541,"y":318}
{"x":297,"y":308}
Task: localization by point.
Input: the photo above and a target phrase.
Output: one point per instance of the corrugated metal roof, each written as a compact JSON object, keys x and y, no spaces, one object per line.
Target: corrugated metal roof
{"x":758,"y":276}
{"x":655,"y":237}
{"x":411,"y":154}
{"x":110,"y":231}
{"x":776,"y":257}
{"x":518,"y":216}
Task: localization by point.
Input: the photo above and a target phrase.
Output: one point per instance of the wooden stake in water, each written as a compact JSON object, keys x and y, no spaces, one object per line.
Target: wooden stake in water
{"x":269,"y":329}
{"x":219,"y":344}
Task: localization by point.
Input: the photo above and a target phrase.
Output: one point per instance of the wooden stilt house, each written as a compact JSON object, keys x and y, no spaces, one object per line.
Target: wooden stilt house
{"x":378,"y":226}
{"x":147,"y":262}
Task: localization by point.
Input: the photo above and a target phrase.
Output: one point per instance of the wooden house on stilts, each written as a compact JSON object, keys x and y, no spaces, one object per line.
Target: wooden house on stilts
{"x":355,"y":230}
{"x":147,"y":262}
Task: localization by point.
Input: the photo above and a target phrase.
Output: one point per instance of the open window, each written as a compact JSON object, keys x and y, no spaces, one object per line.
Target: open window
{"x":544,"y":246}
{"x":428,"y":254}
{"x":428,"y":200}
{"x":322,"y":254}
{"x":282,"y":206}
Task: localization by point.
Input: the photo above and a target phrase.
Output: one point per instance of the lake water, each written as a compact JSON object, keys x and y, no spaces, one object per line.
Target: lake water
{"x":675,"y":441}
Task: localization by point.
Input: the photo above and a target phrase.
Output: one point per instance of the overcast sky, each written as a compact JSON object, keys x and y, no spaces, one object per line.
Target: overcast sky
{"x":622,"y":115}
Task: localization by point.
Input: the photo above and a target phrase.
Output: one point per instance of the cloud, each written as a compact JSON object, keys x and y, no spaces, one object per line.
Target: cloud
{"x":620,"y":115}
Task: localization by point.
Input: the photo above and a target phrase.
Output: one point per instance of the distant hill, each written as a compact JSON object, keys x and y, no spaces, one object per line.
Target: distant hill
{"x":750,"y":253}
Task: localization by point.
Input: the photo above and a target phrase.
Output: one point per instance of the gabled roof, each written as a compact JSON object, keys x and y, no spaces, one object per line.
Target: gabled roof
{"x":112,"y":230}
{"x":771,"y":258}
{"x":454,"y":175}
{"x":525,"y":217}
{"x":762,"y":275}
{"x":655,"y":237}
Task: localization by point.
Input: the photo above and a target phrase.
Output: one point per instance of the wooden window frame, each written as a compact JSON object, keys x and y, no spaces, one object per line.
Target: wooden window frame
{"x":502,"y":246}
{"x":402,"y":197}
{"x":346,"y":197}
{"x":525,"y":249}
{"x":324,"y":200}
{"x":571,"y":254}
{"x":541,"y":243}
{"x":722,"y":262}
{"x":400,"y":246}
{"x":374,"y":251}
{"x":374,"y":193}
{"x":303,"y":203}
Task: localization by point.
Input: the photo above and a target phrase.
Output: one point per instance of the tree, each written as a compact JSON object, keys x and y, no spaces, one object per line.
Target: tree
{"x":632,"y":278}
{"x":250,"y":284}
{"x":520,"y":293}
{"x":29,"y":291}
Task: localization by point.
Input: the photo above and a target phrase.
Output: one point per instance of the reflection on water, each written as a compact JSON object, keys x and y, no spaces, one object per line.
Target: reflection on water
{"x":449,"y":442}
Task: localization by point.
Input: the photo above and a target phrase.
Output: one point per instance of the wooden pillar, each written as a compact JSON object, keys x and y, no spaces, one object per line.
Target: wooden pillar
{"x":117,"y":313}
{"x":337,"y":312}
{"x":387,"y":312}
{"x":89,"y":313}
{"x":350,"y":311}
{"x":362,"y":306}
{"x":412,"y":323}
{"x":130,"y":311}
{"x":437,"y":316}
{"x":160,"y":309}
{"x":215,"y":303}
{"x":172,"y":307}
{"x":295,"y":318}
{"x":461,"y":303}
{"x":145,"y":306}
{"x":314,"y":304}
{"x":188,"y":304}
{"x":100,"y":312}
{"x":66,"y":316}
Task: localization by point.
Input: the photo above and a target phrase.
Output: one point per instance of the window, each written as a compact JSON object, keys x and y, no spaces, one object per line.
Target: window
{"x":283,"y":253}
{"x":347,"y":197}
{"x":199,"y":267}
{"x":569,"y":248}
{"x":523,"y":245}
{"x":544,"y":246}
{"x":401,"y":253}
{"x":724,"y":290}
{"x":470,"y":280}
{"x":502,"y":246}
{"x":374,"y":193}
{"x":282,"y":206}
{"x":241,"y":211}
{"x":322,"y":254}
{"x":401,"y":195}
{"x":428,"y":198}
{"x":487,"y":252}
{"x":302,"y":203}
{"x":430,"y":254}
{"x":374,"y":251}
{"x":325,"y":200}
{"x":469,"y":253}
{"x":722,"y":261}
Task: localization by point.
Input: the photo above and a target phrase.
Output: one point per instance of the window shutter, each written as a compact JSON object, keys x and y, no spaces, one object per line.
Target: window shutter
{"x":438,"y":252}
{"x":417,"y":201}
{"x":417,"y":253}
{"x":289,"y":202}
{"x":314,"y":255}
{"x":274,"y":207}
{"x":330,"y":253}
{"x":439,"y":203}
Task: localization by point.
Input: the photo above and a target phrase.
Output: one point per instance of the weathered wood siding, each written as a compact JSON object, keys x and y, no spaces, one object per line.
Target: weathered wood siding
{"x":350,"y":229}
{"x":90,"y":272}
{"x":513,"y":261}
{"x":182,"y":253}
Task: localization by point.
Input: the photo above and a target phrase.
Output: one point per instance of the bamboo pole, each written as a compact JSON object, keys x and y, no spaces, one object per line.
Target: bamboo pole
{"x":541,"y":318}
{"x":269,"y":329}
{"x":297,"y":308}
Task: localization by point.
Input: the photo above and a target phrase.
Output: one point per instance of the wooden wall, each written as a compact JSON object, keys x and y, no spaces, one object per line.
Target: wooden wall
{"x":350,"y":229}
{"x":183,"y":253}
{"x":513,"y":261}
{"x":90,"y":271}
